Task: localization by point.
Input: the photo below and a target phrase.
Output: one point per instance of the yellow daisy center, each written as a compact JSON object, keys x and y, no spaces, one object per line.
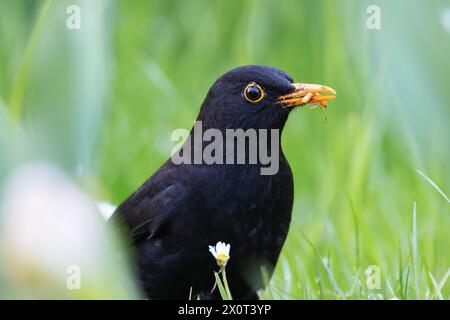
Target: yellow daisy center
{"x":222,"y":258}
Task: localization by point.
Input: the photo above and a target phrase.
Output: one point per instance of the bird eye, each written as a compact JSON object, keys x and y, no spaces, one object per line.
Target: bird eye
{"x":253,"y":93}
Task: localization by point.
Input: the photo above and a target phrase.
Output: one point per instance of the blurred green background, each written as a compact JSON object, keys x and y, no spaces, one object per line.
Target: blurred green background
{"x":98,"y":105}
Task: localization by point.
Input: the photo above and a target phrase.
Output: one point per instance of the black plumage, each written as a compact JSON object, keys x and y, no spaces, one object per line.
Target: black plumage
{"x":181,"y":209}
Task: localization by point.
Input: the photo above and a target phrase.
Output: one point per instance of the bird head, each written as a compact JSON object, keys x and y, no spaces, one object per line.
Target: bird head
{"x":257,"y":97}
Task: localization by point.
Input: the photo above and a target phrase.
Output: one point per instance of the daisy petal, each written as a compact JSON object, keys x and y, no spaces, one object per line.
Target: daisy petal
{"x":213,"y":251}
{"x":227,"y":249}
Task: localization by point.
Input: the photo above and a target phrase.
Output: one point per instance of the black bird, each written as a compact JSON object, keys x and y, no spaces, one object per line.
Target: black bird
{"x":183,"y":208}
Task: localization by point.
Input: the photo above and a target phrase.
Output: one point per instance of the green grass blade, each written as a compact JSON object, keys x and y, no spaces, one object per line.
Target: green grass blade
{"x":434,"y":185}
{"x":20,"y":82}
{"x":223,"y":292}
{"x":415,"y":252}
{"x":441,"y":285}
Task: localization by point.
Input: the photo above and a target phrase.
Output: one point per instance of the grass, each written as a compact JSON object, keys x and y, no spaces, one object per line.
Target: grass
{"x":414,"y":279}
{"x":370,"y":186}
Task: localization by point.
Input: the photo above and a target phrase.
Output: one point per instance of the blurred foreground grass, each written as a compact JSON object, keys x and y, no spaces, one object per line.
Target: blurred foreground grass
{"x":100,"y":104}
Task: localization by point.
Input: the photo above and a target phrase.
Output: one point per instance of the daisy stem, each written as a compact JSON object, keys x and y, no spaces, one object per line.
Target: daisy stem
{"x":225,"y":283}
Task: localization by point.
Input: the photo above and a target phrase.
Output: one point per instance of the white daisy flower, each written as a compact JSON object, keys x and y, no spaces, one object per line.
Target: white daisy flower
{"x":221,"y":252}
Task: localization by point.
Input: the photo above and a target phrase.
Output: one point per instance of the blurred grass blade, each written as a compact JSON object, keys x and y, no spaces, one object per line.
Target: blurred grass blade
{"x":415,"y":251}
{"x":433,"y":184}
{"x":441,"y":284}
{"x":20,"y":82}
{"x":357,"y":245}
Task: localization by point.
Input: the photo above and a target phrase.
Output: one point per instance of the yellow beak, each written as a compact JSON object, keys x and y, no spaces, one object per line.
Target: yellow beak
{"x":307,"y":93}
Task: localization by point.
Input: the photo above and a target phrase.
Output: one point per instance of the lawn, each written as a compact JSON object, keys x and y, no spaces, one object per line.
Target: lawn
{"x":98,"y":104}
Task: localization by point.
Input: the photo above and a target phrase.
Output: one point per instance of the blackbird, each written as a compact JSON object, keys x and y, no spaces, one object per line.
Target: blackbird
{"x":185,"y":207}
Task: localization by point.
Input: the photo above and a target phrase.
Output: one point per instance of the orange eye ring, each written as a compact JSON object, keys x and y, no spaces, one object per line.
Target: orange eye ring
{"x":253,"y":93}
